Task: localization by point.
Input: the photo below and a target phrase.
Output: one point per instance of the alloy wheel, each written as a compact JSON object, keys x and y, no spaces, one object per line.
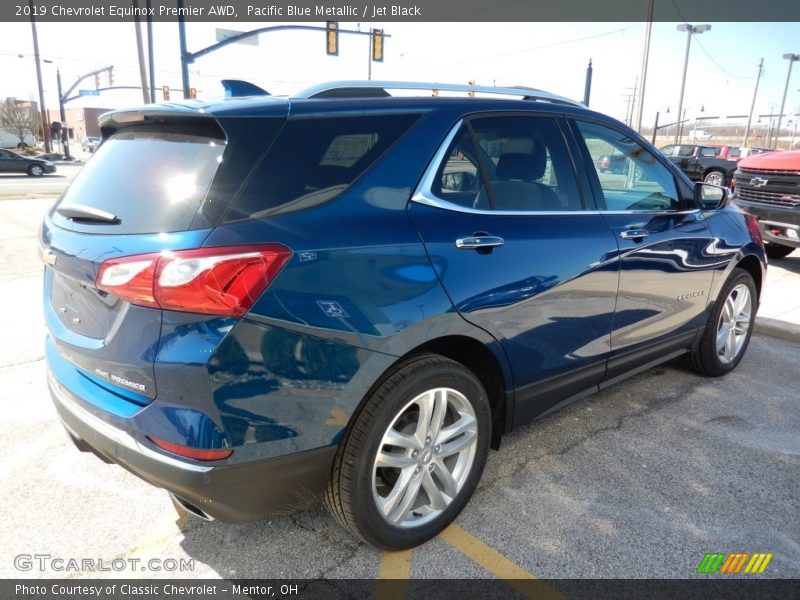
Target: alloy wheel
{"x":424,"y":457}
{"x":734,"y":323}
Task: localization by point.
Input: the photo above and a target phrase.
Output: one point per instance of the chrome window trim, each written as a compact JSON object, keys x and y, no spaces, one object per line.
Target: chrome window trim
{"x":424,"y":195}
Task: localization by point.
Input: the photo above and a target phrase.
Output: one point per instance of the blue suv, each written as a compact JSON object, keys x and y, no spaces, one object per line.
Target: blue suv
{"x":256,"y":301}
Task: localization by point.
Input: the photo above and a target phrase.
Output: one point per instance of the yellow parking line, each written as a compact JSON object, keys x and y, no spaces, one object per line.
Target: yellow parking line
{"x":393,"y":575}
{"x":497,"y":564}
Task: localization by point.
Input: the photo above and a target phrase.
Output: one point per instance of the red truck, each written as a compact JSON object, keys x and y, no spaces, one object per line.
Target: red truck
{"x":768,"y":187}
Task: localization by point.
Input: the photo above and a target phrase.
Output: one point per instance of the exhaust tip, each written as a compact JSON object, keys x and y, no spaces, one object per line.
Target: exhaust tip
{"x":190,"y":508}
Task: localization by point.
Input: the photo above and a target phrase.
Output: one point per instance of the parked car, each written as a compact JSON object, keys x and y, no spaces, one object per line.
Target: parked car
{"x":11,"y":162}
{"x":612,"y":163}
{"x":768,"y":187}
{"x":701,"y":163}
{"x":331,"y":310}
{"x":90,"y":144}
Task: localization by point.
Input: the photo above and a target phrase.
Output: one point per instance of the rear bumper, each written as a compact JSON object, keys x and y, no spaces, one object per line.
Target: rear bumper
{"x":234,"y":493}
{"x":775,"y":223}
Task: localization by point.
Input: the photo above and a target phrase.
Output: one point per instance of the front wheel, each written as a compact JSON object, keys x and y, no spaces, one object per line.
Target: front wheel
{"x":729,"y":328}
{"x":715,"y":178}
{"x":413,"y":455}
{"x":35,"y":171}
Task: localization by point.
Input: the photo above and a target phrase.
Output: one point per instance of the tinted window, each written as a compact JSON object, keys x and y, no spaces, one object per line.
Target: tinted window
{"x":642,"y":183}
{"x":312,"y":160}
{"x":685,"y":151}
{"x":668,"y":150}
{"x":154,"y":179}
{"x":734,"y":152}
{"x":459,"y":178}
{"x":526,"y":162}
{"x":709,"y":152}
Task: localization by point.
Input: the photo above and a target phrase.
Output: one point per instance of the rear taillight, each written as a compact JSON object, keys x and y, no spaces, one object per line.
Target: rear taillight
{"x":218,"y":281}
{"x":190,"y":452}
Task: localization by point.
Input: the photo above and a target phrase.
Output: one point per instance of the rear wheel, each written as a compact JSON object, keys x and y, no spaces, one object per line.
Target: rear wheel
{"x":413,"y":455}
{"x":715,"y":178}
{"x":35,"y":171}
{"x":777,"y":251}
{"x":729,"y":328}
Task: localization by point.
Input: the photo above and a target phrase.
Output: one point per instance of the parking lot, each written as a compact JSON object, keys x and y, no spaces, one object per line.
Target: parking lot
{"x":637,"y":481}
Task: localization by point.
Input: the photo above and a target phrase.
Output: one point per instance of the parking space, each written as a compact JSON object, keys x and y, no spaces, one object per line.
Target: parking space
{"x":640,"y":480}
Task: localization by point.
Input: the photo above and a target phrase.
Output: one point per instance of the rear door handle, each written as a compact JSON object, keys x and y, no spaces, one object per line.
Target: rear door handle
{"x":479,"y":241}
{"x":634,"y":234}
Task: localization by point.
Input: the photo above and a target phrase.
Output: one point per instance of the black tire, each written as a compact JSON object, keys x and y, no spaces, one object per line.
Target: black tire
{"x":715,"y":178}
{"x":35,"y":170}
{"x":349,"y":494}
{"x":777,"y":251}
{"x":705,"y":358}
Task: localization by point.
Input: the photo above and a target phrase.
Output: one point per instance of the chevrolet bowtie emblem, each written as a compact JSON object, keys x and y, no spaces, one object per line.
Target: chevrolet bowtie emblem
{"x":758,"y":182}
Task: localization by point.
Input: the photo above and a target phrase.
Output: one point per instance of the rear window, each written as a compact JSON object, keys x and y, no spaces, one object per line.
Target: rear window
{"x":315,"y":159}
{"x":152,"y":178}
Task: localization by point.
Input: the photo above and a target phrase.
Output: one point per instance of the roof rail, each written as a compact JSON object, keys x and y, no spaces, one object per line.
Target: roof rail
{"x":351,"y":89}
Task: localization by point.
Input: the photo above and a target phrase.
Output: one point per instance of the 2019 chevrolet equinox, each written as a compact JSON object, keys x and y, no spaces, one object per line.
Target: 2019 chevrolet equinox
{"x":256,"y":301}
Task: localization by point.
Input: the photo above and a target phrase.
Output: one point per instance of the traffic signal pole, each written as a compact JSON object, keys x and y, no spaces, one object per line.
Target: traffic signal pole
{"x":63,"y":117}
{"x":189,"y":57}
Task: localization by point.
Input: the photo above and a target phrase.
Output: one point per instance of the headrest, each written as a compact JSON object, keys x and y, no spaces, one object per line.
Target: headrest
{"x":522,"y":167}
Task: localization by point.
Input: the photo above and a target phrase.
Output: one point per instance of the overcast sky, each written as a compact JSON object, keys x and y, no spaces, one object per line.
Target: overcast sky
{"x":550,"y":56}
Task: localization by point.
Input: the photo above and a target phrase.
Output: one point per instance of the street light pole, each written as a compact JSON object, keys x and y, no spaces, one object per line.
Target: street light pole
{"x":42,"y":108}
{"x":689,"y":29}
{"x":63,"y":117}
{"x":753,"y":104}
{"x":791,"y":58}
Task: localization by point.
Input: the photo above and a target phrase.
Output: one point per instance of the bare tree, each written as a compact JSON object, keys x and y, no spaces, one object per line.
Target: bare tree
{"x":19,"y":117}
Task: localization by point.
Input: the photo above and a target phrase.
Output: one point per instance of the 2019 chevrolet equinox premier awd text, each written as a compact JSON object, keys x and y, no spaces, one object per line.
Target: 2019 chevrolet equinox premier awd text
{"x":257,"y":300}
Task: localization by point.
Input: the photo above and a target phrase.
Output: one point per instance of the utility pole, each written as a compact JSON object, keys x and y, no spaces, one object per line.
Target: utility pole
{"x":63,"y":116}
{"x":369,"y":57}
{"x":791,"y":58}
{"x":753,"y":103}
{"x":184,"y":51}
{"x":689,"y":29}
{"x":587,"y":86}
{"x":140,"y":51}
{"x":645,"y":57}
{"x":42,"y":109}
{"x":150,"y":62}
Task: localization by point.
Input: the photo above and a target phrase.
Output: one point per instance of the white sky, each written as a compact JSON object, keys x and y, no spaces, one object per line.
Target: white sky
{"x":550,"y":56}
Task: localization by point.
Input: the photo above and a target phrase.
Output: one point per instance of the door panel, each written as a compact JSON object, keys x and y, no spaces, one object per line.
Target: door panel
{"x":666,"y":258}
{"x":542,"y":282}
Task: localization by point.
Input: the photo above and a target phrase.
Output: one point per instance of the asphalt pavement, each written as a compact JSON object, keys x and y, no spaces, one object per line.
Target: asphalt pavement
{"x":640,"y":480}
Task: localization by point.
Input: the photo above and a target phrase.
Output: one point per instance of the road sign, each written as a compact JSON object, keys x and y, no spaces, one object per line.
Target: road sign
{"x":224,"y":34}
{"x":88,"y":92}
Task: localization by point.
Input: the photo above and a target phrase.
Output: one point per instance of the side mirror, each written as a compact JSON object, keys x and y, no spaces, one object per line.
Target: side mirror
{"x":709,"y":196}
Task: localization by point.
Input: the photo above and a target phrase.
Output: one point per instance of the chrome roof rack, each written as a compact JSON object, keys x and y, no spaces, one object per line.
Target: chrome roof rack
{"x":368,"y":89}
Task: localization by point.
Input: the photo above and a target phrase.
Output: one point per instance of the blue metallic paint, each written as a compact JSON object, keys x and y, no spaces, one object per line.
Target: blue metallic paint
{"x":373,"y":277}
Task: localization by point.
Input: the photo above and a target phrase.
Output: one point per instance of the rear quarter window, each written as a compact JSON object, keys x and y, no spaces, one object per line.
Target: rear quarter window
{"x":315,"y":159}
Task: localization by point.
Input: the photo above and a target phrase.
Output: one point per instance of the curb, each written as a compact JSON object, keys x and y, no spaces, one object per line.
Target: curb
{"x":779,"y":329}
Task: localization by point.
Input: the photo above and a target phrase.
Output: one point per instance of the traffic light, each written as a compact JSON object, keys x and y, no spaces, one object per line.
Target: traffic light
{"x":96,"y":80}
{"x":165,"y":92}
{"x":110,"y":77}
{"x":192,"y":93}
{"x":471,"y":94}
{"x":332,"y":38}
{"x":377,"y":45}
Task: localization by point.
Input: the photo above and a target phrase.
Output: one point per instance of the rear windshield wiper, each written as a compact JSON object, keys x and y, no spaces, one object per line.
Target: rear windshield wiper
{"x":81,"y":212}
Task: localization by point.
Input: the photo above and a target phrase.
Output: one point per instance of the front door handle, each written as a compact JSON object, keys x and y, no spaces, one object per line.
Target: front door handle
{"x":479,"y":241}
{"x":634,"y":234}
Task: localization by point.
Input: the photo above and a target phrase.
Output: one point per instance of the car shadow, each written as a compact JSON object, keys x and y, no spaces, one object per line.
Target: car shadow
{"x":791,"y":263}
{"x":26,"y":176}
